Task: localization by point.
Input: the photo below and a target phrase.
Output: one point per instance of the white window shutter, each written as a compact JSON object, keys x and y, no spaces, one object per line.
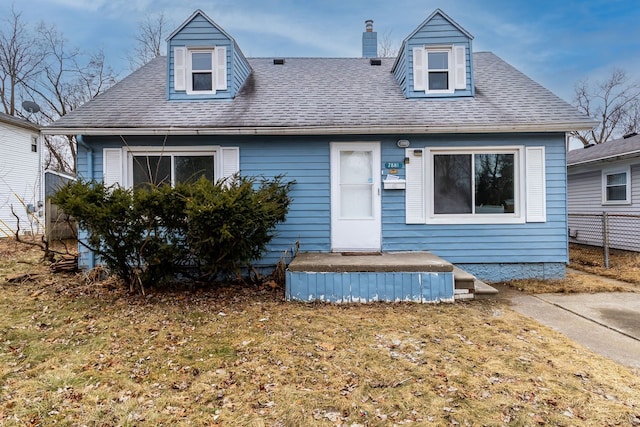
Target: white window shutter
{"x":535,"y":185}
{"x":220,"y":67}
{"x":179,"y":68}
{"x":419,"y":68}
{"x":112,"y":166}
{"x":460,"y":72}
{"x":230,"y":161}
{"x":415,"y":190}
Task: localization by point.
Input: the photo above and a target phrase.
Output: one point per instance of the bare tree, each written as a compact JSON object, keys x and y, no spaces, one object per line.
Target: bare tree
{"x":614,"y":103}
{"x":149,"y":40}
{"x":387,"y":48}
{"x":69,"y":80}
{"x":60,"y":81}
{"x":21,"y":57}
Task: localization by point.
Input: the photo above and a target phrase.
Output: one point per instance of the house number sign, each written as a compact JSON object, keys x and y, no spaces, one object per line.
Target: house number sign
{"x":393,"y":165}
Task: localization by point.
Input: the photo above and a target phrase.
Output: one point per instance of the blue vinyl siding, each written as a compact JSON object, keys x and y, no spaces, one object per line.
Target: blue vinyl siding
{"x":238,"y":70}
{"x":400,"y":70}
{"x":82,"y":163}
{"x":306,"y":160}
{"x":486,"y":243}
{"x":200,"y":33}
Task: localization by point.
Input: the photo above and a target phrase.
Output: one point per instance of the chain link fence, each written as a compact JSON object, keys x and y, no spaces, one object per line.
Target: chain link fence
{"x":598,"y":234}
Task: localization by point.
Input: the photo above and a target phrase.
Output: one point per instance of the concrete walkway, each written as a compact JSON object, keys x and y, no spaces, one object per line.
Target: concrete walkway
{"x":606,"y":323}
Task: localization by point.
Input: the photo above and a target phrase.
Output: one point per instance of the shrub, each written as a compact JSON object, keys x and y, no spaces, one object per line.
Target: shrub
{"x":195,"y":231}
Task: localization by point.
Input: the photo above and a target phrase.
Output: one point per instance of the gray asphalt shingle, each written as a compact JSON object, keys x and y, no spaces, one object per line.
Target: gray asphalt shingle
{"x":608,"y":150}
{"x":321,"y":93}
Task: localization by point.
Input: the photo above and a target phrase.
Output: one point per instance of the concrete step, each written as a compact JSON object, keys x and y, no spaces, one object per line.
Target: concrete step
{"x":482,"y":290}
{"x":462,"y":279}
{"x":467,"y":286}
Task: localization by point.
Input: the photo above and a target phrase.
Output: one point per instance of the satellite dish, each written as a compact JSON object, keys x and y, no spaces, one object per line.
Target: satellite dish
{"x":30,"y":107}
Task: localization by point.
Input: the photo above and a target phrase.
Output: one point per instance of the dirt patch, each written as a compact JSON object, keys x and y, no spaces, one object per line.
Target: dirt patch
{"x":11,"y":249}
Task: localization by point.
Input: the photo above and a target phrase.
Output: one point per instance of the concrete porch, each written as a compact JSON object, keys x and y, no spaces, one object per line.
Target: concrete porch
{"x":390,"y":276}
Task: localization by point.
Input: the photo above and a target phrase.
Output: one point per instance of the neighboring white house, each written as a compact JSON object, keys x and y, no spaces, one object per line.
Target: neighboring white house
{"x":20,"y":176}
{"x":605,"y":178}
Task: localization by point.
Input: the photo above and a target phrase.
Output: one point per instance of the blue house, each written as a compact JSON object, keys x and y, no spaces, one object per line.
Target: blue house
{"x":440,"y":151}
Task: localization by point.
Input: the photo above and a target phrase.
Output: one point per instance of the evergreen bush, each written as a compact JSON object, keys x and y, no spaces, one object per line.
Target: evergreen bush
{"x":199,"y":231}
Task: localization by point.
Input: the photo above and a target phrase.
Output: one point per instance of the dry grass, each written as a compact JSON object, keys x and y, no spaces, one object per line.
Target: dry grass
{"x":623,"y":276}
{"x":75,"y":354}
{"x":623,"y":265}
{"x":573,"y":283}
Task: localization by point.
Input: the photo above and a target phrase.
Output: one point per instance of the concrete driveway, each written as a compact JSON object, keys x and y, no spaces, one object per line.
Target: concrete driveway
{"x":607,"y":323}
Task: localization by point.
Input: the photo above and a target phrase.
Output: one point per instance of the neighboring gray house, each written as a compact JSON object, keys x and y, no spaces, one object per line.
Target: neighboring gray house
{"x":440,"y":149}
{"x":605,"y":178}
{"x":20,"y":176}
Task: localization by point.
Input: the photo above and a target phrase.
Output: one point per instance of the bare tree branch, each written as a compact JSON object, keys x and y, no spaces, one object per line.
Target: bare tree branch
{"x":149,"y":40}
{"x":21,"y":56}
{"x":614,"y":103}
{"x":387,"y":48}
{"x":68,"y":79}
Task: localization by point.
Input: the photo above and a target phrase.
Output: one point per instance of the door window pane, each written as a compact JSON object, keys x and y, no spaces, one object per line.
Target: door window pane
{"x":452,"y":183}
{"x":494,"y":192}
{"x":191,"y":168}
{"x":356,"y":184}
{"x":356,"y":201}
{"x":151,"y":170}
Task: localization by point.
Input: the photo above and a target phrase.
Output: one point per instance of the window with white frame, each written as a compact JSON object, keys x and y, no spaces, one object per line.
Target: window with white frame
{"x":171,"y":168}
{"x":200,"y":70}
{"x":438,"y":72}
{"x":474,"y":183}
{"x":439,"y":69}
{"x":137,"y":166}
{"x":615,"y":186}
{"x":468,"y":185}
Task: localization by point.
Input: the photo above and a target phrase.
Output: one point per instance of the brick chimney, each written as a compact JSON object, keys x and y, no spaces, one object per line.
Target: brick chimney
{"x":369,"y":41}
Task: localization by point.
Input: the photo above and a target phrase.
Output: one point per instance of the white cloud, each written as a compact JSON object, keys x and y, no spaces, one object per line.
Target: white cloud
{"x":89,"y":5}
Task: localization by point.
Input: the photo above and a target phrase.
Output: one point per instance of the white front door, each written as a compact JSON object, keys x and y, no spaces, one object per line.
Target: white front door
{"x":355,"y":196}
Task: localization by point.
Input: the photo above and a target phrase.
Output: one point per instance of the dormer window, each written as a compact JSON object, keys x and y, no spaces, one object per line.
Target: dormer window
{"x":439,"y":69}
{"x":200,"y":70}
{"x":438,"y":74}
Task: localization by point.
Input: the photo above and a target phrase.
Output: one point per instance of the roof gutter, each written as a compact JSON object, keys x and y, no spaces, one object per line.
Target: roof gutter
{"x":318,"y":130}
{"x":21,"y":123}
{"x":621,"y":156}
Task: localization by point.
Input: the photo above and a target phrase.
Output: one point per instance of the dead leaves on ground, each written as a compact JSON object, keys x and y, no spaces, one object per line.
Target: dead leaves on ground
{"x":96,"y":355}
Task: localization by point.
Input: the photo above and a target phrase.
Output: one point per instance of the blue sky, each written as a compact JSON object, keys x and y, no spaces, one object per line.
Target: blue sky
{"x":556,"y":42}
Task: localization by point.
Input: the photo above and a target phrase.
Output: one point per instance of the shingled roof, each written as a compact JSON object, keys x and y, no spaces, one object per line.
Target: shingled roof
{"x":325,"y":96}
{"x":17,"y":121}
{"x":615,"y":149}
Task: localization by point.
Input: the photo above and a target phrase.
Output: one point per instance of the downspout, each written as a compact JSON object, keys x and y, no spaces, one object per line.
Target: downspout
{"x":80,"y":141}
